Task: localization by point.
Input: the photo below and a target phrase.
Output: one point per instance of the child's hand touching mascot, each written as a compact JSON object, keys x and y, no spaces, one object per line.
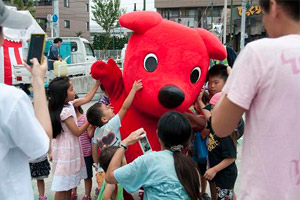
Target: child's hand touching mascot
{"x":171,"y":59}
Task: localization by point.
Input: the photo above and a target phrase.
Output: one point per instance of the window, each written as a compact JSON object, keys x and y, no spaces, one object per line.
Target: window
{"x":87,"y":26}
{"x":74,"y":47}
{"x":87,"y":8}
{"x":89,"y":49}
{"x":66,"y":3}
{"x":67,"y":23}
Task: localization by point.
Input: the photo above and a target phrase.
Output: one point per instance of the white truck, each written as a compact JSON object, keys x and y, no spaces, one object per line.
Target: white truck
{"x":78,"y":54}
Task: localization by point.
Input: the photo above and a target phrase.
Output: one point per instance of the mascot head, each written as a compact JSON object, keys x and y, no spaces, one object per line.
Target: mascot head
{"x":171,"y":59}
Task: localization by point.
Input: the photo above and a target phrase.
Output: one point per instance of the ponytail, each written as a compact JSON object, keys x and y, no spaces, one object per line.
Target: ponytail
{"x":187,"y":174}
{"x":175,"y":131}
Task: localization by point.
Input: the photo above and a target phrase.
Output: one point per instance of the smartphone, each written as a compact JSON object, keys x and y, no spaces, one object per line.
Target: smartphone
{"x":145,"y":145}
{"x":36,"y":47}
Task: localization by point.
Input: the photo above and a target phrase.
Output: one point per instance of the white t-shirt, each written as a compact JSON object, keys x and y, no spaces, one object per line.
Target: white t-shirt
{"x":109,"y":133}
{"x":21,"y":137}
{"x":265,"y":81}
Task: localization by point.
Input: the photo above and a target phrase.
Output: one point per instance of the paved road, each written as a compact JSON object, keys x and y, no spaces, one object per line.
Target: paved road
{"x":80,"y":189}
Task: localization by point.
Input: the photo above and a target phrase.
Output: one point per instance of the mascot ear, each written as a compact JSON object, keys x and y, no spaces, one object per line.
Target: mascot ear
{"x":215,"y":48}
{"x":140,"y":21}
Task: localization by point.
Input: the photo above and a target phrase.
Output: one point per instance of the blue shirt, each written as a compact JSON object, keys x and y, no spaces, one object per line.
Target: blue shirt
{"x":155,"y":172}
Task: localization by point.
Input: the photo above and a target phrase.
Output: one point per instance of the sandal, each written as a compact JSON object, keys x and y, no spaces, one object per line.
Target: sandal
{"x":74,"y":196}
{"x":43,"y":198}
{"x":85,"y":197}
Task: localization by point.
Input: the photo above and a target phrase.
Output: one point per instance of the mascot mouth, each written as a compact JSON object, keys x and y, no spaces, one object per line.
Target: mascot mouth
{"x":170,"y":96}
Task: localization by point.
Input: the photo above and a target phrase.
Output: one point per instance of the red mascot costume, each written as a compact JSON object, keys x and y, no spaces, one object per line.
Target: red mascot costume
{"x":171,"y":59}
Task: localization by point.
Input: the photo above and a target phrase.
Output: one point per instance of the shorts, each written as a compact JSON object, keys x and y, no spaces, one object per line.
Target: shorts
{"x":40,"y":170}
{"x":224,"y":194}
{"x":202,"y":168}
{"x":89,"y":166}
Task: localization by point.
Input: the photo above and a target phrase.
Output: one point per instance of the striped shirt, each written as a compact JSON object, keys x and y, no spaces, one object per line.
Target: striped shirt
{"x":85,"y":140}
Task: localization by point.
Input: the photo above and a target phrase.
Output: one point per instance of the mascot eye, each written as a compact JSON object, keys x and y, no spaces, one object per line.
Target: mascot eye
{"x":150,"y":62}
{"x":195,"y":75}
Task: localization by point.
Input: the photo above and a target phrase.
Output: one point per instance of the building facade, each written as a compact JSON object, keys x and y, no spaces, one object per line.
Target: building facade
{"x":73,"y":18}
{"x":208,"y":14}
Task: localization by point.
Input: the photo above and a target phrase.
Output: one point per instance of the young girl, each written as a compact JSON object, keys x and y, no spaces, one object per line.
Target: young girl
{"x":222,"y":155}
{"x":40,"y":169}
{"x":85,"y":143}
{"x":166,"y":174}
{"x":67,"y":157}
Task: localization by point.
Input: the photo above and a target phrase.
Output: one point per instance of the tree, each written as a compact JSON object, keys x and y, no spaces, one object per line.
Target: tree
{"x":106,"y":13}
{"x":27,"y":6}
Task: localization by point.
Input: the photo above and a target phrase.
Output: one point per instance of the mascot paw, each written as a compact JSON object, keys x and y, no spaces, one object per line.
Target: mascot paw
{"x":98,"y":69}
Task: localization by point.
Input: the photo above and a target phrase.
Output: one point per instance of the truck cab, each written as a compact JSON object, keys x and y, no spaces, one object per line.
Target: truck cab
{"x":78,"y":54}
{"x":78,"y":49}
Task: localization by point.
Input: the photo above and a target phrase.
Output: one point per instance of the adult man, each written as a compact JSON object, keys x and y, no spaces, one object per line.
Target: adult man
{"x":265,"y":83}
{"x":54,"y":53}
{"x":22,"y":129}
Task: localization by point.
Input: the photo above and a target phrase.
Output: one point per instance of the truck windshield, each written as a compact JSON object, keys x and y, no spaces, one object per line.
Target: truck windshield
{"x":89,"y":50}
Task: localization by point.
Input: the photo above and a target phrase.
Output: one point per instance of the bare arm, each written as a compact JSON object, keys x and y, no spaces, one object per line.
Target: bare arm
{"x":91,"y":130}
{"x":226,"y":116}
{"x":39,"y":99}
{"x":88,"y":97}
{"x":198,"y":123}
{"x":77,"y":131}
{"x":116,"y":161}
{"x":137,"y":85}
{"x":95,"y":153}
{"x":108,"y":191}
{"x":211,"y":172}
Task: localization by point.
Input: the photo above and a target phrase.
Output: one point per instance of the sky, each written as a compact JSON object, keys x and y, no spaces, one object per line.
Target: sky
{"x":128,"y":5}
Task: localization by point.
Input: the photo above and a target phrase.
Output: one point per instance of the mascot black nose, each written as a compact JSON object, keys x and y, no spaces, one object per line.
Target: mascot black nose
{"x":170,"y":96}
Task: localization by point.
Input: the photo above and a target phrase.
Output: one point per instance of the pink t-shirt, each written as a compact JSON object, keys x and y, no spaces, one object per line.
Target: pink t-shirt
{"x":265,"y":81}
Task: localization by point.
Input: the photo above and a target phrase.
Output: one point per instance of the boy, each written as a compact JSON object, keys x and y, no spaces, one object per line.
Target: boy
{"x":108,"y":131}
{"x":109,"y":191}
{"x":217,"y":76}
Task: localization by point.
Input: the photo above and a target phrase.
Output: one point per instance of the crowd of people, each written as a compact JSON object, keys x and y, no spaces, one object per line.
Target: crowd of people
{"x":197,"y":147}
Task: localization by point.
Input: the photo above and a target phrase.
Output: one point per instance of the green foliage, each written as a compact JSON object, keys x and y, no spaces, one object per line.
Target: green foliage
{"x":21,"y":6}
{"x":115,"y":42}
{"x":78,"y":34}
{"x":106,"y":13}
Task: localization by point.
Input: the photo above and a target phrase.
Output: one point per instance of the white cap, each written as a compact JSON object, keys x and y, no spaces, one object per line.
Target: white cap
{"x":13,"y":19}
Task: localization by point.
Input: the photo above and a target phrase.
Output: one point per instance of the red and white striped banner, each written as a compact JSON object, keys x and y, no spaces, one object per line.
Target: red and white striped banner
{"x":10,"y":54}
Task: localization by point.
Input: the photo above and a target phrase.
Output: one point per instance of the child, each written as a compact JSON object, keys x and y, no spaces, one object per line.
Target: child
{"x":108,"y":131}
{"x":85,"y":144}
{"x":109,"y":191}
{"x":222,"y":155}
{"x":200,"y":152}
{"x":217,"y":76}
{"x":67,"y":157}
{"x":166,"y":174}
{"x":40,"y":169}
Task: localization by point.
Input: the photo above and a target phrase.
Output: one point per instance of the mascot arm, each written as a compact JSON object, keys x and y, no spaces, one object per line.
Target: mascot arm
{"x":110,"y":77}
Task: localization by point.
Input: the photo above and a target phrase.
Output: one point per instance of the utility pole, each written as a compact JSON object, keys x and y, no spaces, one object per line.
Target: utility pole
{"x":212,"y":14}
{"x":144,"y":8}
{"x":55,"y":6}
{"x":243,"y":24}
{"x":225,"y":22}
{"x":231,"y":6}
